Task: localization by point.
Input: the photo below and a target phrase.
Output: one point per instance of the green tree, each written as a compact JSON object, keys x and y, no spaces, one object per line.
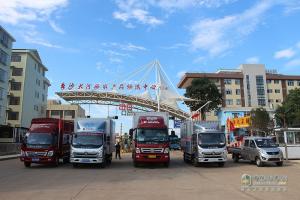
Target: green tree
{"x":289,"y":113}
{"x":260,"y":120}
{"x":203,"y":90}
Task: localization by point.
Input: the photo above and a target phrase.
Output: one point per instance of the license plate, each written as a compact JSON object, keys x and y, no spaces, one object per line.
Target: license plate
{"x":152,"y":156}
{"x":35,"y":159}
{"x":85,"y":160}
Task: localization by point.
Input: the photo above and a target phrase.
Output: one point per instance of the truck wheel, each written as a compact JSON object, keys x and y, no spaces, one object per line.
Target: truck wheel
{"x":104,"y":164}
{"x":66,"y":160}
{"x":27,"y":164}
{"x":221,"y":164}
{"x":167,"y":164}
{"x":195,"y":162}
{"x":75,"y":165}
{"x":184,"y":158}
{"x":235,"y":158}
{"x":279,"y":164}
{"x":258,"y":162}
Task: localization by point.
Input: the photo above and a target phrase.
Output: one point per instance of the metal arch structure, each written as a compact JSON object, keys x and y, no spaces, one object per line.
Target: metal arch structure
{"x":112,"y":98}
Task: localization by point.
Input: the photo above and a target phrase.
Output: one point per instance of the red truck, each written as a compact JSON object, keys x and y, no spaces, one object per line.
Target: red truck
{"x":47,"y":141}
{"x":150,"y":138}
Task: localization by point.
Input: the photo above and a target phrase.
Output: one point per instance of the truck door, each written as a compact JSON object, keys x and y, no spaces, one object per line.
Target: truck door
{"x":252,"y":151}
{"x":245,"y":150}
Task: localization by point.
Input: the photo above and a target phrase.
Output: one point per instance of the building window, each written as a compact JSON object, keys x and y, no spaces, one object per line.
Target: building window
{"x":277,"y":91}
{"x":17,"y":71}
{"x":15,"y":58}
{"x":229,"y":102}
{"x":227,"y":81}
{"x":55,"y":113}
{"x":70,"y":113}
{"x":4,"y":39}
{"x":290,"y":83}
{"x":276,"y":81}
{"x":228,"y":91}
{"x":13,"y":116}
{"x":238,"y":92}
{"x":298,"y":83}
{"x":37,"y":94}
{"x":36,"y":108}
{"x":238,"y":102}
{"x":1,"y":93}
{"x":38,"y":82}
{"x":269,"y":81}
{"x":248,"y":90}
{"x":43,"y":97}
{"x":14,"y":100}
{"x":270,"y":91}
{"x":260,"y":88}
{"x":3,"y":75}
{"x":3,"y":57}
{"x":261,"y":102}
{"x":270,"y":100}
{"x":15,"y":86}
{"x":278,"y":100}
{"x":237,"y":81}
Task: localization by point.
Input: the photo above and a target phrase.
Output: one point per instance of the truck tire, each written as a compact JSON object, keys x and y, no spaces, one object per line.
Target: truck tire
{"x":279,"y":164}
{"x":235,"y":157}
{"x":167,"y":164}
{"x":221,"y":164}
{"x":184,"y":158}
{"x":75,"y":165}
{"x":104,"y":164}
{"x":27,"y":164}
{"x":195,"y":162}
{"x":258,"y":162}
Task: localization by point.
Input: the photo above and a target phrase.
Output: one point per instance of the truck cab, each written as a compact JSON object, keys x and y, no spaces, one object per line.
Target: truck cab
{"x":46,"y":142}
{"x":92,"y":142}
{"x":203,"y":145}
{"x":150,"y":139}
{"x":260,"y":150}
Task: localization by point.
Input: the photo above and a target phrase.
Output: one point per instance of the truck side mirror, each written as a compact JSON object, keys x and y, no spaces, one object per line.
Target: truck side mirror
{"x":130,"y":134}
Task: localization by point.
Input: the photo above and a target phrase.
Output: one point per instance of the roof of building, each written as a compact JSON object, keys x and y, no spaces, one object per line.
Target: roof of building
{"x":13,"y":39}
{"x":34,"y":53}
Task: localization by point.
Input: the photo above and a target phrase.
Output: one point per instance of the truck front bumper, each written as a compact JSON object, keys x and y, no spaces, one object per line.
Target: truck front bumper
{"x":86,"y":160}
{"x":210,"y":159}
{"x":38,"y":160}
{"x":269,"y":158}
{"x":152,"y":158}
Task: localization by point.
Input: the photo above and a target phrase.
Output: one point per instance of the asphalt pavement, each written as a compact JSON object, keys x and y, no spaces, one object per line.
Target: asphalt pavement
{"x":122,"y":181}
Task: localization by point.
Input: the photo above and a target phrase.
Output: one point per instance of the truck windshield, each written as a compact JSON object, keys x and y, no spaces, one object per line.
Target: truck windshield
{"x":265,"y":143}
{"x":41,"y":139}
{"x":150,"y":136}
{"x":87,"y":140}
{"x":211,"y":139}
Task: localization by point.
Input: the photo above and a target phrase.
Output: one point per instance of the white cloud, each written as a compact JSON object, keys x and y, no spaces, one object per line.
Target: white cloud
{"x":32,"y":37}
{"x":124,"y":47}
{"x":285,"y":53}
{"x":55,"y":27}
{"x":219,"y":35}
{"x":181,"y":74}
{"x":293,"y":63}
{"x":252,"y":60}
{"x":101,"y":67}
{"x":176,"y":46}
{"x":16,"y":11}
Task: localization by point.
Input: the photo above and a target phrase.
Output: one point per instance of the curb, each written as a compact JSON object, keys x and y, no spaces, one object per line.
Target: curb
{"x":9,"y":157}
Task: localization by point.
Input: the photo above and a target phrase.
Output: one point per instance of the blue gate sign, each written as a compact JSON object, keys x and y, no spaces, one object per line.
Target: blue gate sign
{"x":177,"y":123}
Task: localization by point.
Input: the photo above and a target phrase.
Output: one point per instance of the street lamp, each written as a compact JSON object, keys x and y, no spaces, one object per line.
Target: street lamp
{"x":199,"y":109}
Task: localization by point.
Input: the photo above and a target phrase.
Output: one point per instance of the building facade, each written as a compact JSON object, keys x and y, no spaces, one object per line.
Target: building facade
{"x":250,"y":86}
{"x":64,"y":111}
{"x":28,"y":88}
{"x":6,"y":41}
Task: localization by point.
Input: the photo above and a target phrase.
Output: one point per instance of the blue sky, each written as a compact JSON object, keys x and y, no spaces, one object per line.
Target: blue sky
{"x":100,"y":41}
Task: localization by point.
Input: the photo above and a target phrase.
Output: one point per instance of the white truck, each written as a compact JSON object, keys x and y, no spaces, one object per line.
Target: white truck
{"x":93,"y":141}
{"x":203,"y":142}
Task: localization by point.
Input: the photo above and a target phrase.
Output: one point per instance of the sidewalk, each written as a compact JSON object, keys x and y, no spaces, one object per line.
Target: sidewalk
{"x":7,"y":157}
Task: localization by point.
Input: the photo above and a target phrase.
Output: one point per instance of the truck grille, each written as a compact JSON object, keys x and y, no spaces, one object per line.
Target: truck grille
{"x":152,"y":150}
{"x":212,"y":153}
{"x":35,"y":153}
{"x":85,"y":155}
{"x":272,"y":153}
{"x":274,"y":159}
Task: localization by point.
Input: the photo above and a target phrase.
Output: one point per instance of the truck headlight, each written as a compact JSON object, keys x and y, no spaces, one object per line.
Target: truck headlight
{"x":167,"y":150}
{"x":137,"y":150}
{"x":100,"y":153}
{"x":50,"y":153}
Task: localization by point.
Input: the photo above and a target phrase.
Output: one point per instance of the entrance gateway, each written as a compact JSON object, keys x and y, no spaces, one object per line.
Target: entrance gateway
{"x":159,"y":96}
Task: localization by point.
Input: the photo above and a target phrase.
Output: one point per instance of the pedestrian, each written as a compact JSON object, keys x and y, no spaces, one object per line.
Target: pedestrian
{"x":118,"y":150}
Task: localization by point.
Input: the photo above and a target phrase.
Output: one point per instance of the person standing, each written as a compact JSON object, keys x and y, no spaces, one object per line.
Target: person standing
{"x":118,"y":150}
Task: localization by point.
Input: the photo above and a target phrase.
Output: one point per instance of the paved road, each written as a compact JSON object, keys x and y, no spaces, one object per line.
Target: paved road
{"x":122,"y":181}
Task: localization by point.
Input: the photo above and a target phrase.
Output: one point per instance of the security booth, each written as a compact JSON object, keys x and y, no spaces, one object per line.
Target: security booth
{"x":289,"y":140}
